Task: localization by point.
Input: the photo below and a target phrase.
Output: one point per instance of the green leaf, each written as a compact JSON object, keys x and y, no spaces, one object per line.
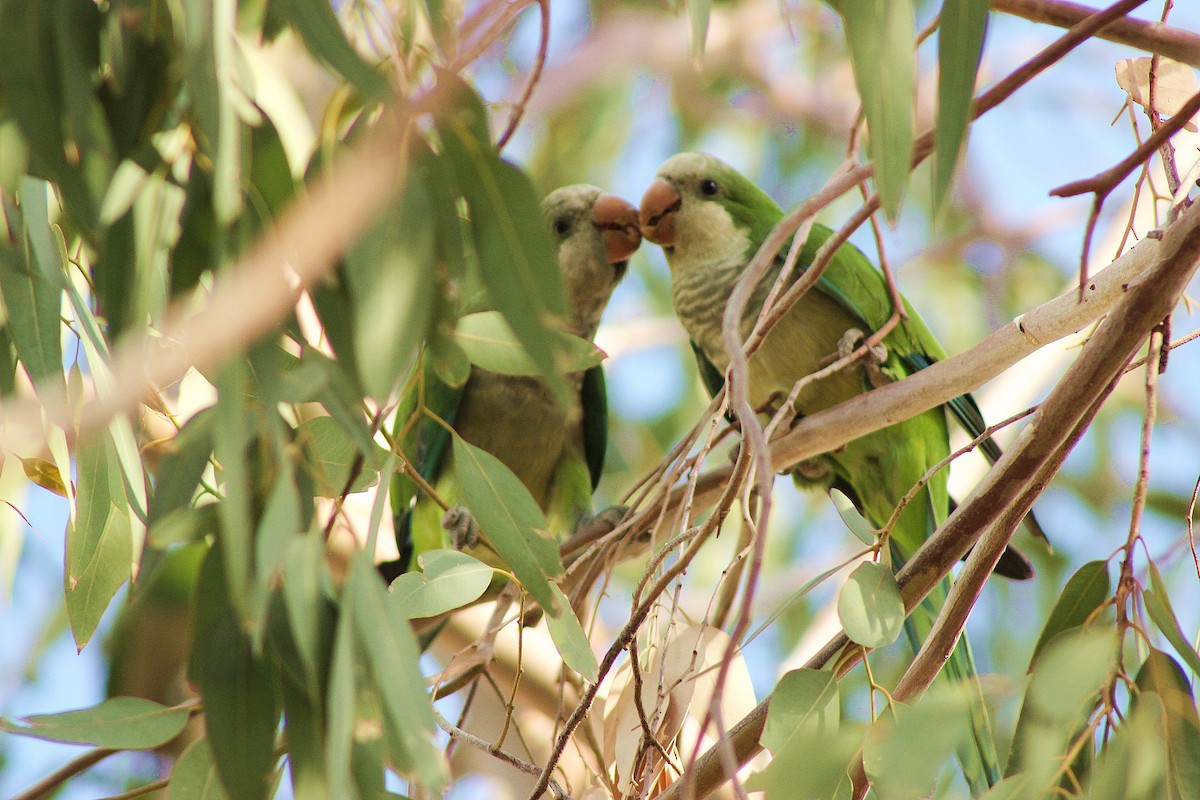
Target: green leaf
{"x":304,"y":603}
{"x":1158,"y":606}
{"x":1064,"y":688}
{"x":390,"y":272}
{"x":805,"y":701}
{"x":99,"y":539}
{"x":698,"y":13}
{"x":883,"y":49}
{"x":510,"y":520}
{"x":961,"y":30}
{"x":1180,"y":729}
{"x":1133,"y":764}
{"x":181,"y":468}
{"x":569,"y":638}
{"x":241,"y":710}
{"x":450,"y":580}
{"x":33,"y":305}
{"x":233,"y":434}
{"x":120,"y":723}
{"x":908,"y":745}
{"x":515,"y":251}
{"x":305,"y":742}
{"x":194,"y":776}
{"x":322,"y":34}
{"x":854,"y":520}
{"x":332,"y":454}
{"x":392,"y":655}
{"x":1086,"y":591}
{"x":490,"y":343}
{"x":795,"y":772}
{"x":209,"y":79}
{"x":870,"y":606}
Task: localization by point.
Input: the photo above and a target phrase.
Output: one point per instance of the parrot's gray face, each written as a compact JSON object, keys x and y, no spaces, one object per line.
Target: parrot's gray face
{"x":596,"y":234}
{"x":685,"y":211}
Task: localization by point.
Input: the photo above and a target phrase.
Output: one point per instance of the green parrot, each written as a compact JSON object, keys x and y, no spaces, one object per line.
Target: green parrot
{"x":710,"y":221}
{"x":556,"y":452}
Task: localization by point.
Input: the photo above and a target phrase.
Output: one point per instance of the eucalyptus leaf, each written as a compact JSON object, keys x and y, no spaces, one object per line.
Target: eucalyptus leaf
{"x":870,"y":607}
{"x":1161,"y":675}
{"x":194,"y":776}
{"x":120,"y":723}
{"x":489,"y":342}
{"x":854,"y":519}
{"x":805,"y":701}
{"x":99,"y":538}
{"x":962,"y":27}
{"x":237,"y":686}
{"x":332,"y":455}
{"x":1085,"y":592}
{"x":569,"y":638}
{"x":449,"y":579}
{"x":1158,"y":606}
{"x":322,"y":34}
{"x":883,"y":50}
{"x":510,"y":520}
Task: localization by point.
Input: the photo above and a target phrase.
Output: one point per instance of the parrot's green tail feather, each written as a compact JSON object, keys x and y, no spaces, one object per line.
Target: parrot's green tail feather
{"x":980,"y":764}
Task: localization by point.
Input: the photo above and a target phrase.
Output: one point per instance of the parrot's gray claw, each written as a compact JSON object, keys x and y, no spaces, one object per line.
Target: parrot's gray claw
{"x":461,"y":525}
{"x":850,"y":341}
{"x":877,"y":355}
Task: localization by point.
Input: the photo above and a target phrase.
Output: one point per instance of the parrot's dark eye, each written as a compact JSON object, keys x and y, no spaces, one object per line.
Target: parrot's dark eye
{"x":709,"y":188}
{"x":561,"y":226}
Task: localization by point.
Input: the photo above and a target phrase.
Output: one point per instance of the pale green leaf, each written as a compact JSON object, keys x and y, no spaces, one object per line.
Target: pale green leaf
{"x":332,"y":455}
{"x":490,"y":343}
{"x":120,"y":723}
{"x":194,"y":776}
{"x":854,"y":520}
{"x":451,"y":579}
{"x":883,"y":49}
{"x":870,"y":607}
{"x":33,"y":305}
{"x":804,"y":702}
{"x":1180,"y":729}
{"x":1085,"y":592}
{"x":510,"y":520}
{"x":1158,"y":606}
{"x":961,"y":30}
{"x":99,"y":539}
{"x":322,"y":34}
{"x":392,"y":654}
{"x":908,"y":745}
{"x":569,"y":638}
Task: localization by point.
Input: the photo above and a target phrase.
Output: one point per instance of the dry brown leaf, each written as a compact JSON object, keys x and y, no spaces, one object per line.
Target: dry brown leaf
{"x":1176,"y":84}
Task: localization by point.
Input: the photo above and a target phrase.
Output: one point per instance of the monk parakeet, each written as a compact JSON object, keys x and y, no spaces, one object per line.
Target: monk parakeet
{"x":557,"y":452}
{"x":710,"y":221}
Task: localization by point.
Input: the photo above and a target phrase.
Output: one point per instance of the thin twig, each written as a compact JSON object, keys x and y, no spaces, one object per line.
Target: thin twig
{"x":538,"y":63}
{"x":508,"y":758}
{"x":55,"y":780}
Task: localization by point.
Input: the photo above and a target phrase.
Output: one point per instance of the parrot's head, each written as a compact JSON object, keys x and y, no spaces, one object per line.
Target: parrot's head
{"x":596,"y":234}
{"x":702,"y":211}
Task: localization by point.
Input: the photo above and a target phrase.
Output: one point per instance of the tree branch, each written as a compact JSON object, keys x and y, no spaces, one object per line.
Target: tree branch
{"x":1153,"y":37}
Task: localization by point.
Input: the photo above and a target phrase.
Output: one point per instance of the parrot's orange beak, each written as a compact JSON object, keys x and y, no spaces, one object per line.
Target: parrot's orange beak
{"x":657,"y":216}
{"x":617,"y":222}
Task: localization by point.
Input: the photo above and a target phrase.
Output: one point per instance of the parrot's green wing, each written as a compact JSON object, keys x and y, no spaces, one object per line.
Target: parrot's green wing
{"x":593,"y":398}
{"x":424,"y":442}
{"x":710,"y":376}
{"x":861,"y":290}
